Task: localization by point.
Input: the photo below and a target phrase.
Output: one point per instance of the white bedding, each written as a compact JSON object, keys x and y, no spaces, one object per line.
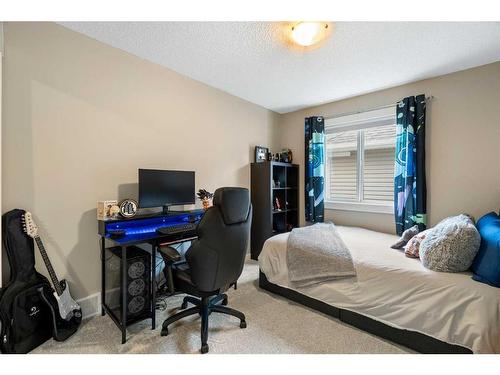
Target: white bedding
{"x":400,"y":292}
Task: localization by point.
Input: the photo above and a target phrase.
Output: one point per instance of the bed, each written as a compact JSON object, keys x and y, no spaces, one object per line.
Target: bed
{"x":395,"y":297}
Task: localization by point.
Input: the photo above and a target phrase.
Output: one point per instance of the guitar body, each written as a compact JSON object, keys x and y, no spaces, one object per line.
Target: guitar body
{"x":68,"y":308}
{"x":63,"y":306}
{"x":66,"y":313}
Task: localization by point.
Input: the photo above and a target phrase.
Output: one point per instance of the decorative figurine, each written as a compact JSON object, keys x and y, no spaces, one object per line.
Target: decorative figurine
{"x":286,"y":155}
{"x":205,"y":197}
{"x":277,"y":204}
{"x":114,"y":211}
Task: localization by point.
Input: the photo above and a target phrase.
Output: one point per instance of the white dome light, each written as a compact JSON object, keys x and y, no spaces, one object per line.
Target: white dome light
{"x":308,"y":33}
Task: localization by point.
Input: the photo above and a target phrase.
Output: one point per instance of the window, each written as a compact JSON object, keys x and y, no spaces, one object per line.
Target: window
{"x":360,"y":161}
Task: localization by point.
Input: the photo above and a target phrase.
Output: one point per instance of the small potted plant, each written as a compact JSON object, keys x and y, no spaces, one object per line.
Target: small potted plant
{"x":205,"y":197}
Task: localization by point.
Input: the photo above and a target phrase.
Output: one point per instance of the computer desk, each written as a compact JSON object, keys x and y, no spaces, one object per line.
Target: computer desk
{"x":140,"y":230}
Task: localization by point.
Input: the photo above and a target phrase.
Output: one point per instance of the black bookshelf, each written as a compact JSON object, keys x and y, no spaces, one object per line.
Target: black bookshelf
{"x":275,"y":201}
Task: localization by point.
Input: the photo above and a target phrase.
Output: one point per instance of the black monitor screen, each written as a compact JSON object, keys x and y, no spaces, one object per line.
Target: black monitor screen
{"x":165,"y":188}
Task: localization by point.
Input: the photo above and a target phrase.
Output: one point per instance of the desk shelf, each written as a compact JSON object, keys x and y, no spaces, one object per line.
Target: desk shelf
{"x":138,"y":231}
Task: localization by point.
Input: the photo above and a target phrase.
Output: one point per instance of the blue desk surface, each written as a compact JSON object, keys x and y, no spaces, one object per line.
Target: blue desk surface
{"x":143,"y":229}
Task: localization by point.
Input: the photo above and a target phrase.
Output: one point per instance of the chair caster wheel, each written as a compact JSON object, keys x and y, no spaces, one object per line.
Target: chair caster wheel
{"x":184,"y":305}
{"x":164,"y":332}
{"x":204,"y":349}
{"x":224,"y":302}
{"x":243,"y":324}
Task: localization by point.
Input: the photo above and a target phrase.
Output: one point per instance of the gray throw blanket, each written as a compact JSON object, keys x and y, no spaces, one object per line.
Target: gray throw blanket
{"x":316,"y":254}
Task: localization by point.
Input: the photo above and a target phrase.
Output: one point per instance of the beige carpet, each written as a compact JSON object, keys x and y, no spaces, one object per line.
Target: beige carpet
{"x":275,"y":325}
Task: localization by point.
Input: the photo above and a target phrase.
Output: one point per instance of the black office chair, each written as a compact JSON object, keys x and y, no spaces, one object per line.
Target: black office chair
{"x":215,"y":261}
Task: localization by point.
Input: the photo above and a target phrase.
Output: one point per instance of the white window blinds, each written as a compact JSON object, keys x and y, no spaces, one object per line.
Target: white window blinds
{"x":360,"y":157}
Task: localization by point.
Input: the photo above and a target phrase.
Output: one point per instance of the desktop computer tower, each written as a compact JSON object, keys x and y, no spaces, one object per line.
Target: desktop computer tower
{"x":137,"y":285}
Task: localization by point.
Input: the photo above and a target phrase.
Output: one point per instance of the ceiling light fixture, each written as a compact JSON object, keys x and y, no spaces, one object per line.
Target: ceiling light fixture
{"x":308,"y":33}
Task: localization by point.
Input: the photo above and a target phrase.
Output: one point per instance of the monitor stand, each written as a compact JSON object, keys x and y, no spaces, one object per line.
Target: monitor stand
{"x":168,"y":211}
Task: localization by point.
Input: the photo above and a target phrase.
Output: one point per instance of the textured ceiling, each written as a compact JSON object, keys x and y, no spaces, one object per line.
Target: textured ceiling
{"x":253,"y":60}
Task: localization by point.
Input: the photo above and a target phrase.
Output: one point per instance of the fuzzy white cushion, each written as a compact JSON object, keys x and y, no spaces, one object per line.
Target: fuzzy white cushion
{"x":451,"y":245}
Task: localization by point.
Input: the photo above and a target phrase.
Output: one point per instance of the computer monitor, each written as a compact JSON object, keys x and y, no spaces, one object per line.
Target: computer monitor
{"x":158,"y":188}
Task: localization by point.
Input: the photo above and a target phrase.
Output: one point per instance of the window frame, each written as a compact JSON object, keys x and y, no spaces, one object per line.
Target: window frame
{"x":358,"y":121}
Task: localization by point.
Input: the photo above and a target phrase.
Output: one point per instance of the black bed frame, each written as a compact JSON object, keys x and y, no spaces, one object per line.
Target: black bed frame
{"x":411,"y":339}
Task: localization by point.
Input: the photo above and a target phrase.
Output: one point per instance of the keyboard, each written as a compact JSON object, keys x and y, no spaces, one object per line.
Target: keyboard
{"x":176,"y":229}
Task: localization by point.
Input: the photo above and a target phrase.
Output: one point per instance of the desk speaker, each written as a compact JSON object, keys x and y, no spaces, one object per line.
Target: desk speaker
{"x":137,"y":283}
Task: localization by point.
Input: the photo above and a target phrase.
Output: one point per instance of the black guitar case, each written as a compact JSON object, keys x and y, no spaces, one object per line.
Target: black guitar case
{"x":25,"y":317}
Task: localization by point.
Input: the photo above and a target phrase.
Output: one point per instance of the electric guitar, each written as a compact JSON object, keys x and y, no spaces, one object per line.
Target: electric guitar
{"x":67,"y":313}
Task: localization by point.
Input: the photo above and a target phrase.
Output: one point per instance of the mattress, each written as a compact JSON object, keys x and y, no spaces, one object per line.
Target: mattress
{"x":400,"y":292}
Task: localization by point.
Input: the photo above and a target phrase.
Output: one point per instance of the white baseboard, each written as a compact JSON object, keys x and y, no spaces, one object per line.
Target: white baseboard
{"x":91,"y":305}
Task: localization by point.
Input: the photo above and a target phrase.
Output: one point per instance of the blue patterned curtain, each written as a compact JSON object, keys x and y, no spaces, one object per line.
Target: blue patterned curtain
{"x":315,"y":168}
{"x":409,"y":173}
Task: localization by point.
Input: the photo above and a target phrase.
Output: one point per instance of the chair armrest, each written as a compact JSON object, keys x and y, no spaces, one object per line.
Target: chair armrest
{"x":169,"y":254}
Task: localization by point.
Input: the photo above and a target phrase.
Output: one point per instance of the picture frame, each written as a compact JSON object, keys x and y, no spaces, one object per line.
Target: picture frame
{"x":261,"y":154}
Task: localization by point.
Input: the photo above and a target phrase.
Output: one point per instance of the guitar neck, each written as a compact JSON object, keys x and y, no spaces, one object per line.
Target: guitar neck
{"x":52,"y":273}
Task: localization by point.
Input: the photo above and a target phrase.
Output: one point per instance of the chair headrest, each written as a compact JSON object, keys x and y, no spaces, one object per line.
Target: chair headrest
{"x":234,"y":204}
